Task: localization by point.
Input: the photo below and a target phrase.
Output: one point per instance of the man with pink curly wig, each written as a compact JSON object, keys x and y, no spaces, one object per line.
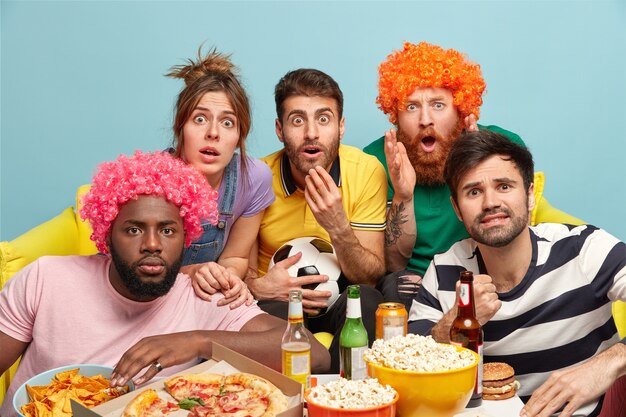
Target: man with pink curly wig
{"x":133,"y":304}
{"x":431,"y":95}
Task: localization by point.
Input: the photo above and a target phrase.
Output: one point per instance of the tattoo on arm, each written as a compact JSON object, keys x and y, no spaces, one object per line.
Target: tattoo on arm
{"x":395,"y":218}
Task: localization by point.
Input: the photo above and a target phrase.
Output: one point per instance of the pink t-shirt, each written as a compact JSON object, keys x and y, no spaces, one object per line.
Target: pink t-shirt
{"x":70,"y":313}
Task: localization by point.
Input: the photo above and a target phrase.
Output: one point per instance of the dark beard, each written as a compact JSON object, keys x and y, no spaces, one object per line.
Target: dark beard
{"x":498,"y":237}
{"x":302,"y":165}
{"x":138,"y":288}
{"x":429,"y":165}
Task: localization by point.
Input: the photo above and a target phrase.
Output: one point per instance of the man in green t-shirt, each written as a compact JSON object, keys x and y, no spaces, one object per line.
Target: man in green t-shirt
{"x":431,"y":95}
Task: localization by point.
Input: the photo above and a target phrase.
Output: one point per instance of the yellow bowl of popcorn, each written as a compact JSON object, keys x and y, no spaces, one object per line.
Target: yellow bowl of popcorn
{"x":433,"y":379}
{"x":343,"y":398}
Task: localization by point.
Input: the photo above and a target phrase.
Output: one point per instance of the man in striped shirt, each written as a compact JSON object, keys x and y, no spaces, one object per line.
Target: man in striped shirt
{"x":543,"y":294}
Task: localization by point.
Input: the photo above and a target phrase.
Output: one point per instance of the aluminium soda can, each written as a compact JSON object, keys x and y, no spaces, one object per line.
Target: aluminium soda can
{"x":391,"y":320}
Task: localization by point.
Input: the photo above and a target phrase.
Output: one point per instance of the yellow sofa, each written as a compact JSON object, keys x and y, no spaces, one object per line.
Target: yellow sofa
{"x":67,"y":234}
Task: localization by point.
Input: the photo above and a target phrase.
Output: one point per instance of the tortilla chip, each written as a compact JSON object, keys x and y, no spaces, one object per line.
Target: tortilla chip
{"x":53,"y":400}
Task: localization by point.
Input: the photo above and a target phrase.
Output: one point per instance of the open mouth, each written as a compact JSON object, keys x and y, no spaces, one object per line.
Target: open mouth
{"x":428,"y":143}
{"x":209,"y":152}
{"x":310,"y":150}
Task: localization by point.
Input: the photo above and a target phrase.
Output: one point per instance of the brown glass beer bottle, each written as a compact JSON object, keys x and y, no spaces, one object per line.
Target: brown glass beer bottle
{"x":467,"y":332}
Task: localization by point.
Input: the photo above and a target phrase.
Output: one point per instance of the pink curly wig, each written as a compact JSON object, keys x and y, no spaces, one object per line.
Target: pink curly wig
{"x":427,"y":65}
{"x":155,"y":174}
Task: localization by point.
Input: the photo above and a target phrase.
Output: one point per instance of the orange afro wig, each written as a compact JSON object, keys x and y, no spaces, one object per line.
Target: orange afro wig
{"x":426,"y":65}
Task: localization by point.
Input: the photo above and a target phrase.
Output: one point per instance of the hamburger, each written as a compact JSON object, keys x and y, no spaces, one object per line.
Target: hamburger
{"x":498,"y":381}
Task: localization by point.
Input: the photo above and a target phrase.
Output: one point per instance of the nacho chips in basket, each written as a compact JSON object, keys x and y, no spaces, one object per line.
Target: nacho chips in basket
{"x":53,"y":400}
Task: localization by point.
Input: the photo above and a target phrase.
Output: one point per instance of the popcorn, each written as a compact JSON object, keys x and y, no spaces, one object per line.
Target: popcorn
{"x":417,"y":354}
{"x":343,"y":393}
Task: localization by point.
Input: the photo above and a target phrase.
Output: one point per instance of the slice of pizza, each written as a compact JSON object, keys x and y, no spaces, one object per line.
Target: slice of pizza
{"x":236,"y":395}
{"x":148,"y":404}
{"x":253,"y":396}
{"x":204,"y":386}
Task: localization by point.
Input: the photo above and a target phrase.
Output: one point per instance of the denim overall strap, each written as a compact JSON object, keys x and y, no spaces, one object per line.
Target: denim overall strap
{"x":230,"y":187}
{"x":209,"y":246}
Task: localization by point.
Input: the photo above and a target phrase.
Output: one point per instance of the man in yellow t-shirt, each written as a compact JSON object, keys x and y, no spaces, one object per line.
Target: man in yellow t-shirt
{"x":323,"y":189}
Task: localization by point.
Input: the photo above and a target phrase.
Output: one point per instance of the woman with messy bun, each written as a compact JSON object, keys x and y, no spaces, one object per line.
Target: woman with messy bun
{"x":212,"y":120}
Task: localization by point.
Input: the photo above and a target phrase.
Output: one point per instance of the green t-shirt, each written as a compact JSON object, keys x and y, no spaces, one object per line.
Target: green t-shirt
{"x":438,"y":228}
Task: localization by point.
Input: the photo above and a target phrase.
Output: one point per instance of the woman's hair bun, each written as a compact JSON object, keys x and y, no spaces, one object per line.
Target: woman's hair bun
{"x":213,"y":62}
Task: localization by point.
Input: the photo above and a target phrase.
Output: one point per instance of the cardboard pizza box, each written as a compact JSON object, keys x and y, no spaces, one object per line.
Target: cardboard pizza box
{"x":292,"y":389}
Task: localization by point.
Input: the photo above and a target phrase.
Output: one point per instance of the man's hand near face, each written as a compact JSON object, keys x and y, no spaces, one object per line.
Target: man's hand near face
{"x":401,"y":229}
{"x":401,"y":172}
{"x":359,"y":253}
{"x":471,"y":123}
{"x":324,"y":199}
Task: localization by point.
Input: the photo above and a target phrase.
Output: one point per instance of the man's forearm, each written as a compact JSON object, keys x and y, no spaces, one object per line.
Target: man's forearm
{"x":400,"y":235}
{"x":263,"y":346}
{"x":358,"y":264}
{"x":255,"y":345}
{"x":11,"y":350}
{"x":614,"y":360}
{"x":441,"y":330}
{"x":255,"y":283}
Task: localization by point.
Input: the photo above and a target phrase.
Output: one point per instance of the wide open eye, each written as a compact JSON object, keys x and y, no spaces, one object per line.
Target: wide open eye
{"x":229,"y":123}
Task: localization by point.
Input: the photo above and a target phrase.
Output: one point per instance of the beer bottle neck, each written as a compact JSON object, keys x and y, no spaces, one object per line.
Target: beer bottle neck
{"x":295,"y":312}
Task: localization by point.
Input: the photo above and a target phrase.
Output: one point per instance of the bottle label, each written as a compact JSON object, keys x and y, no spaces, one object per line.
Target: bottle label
{"x":352,"y":363}
{"x":464,"y":294}
{"x":353,"y":310}
{"x":359,"y":370}
{"x":479,"y":374}
{"x":299,"y":363}
{"x":297,"y":366}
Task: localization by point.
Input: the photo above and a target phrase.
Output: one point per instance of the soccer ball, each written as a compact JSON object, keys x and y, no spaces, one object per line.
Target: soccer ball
{"x":318,"y":258}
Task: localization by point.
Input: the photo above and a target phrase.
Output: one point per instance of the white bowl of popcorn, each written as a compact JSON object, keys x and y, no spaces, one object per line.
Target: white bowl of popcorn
{"x":433,"y":379}
{"x":345,"y":398}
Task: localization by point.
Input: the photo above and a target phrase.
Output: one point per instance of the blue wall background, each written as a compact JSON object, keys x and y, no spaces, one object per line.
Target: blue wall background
{"x":81,"y":82}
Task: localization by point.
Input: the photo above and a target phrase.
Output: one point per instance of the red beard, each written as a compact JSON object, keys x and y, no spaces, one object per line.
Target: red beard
{"x":429,"y":165}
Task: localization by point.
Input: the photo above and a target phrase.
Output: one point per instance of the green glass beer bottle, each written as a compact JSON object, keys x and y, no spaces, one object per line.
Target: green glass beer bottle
{"x":353,"y":339}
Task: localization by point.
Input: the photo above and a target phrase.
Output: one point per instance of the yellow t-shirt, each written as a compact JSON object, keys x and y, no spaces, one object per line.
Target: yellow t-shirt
{"x":363,"y":185}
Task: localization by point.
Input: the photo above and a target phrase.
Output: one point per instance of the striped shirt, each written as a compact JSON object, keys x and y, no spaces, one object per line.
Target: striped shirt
{"x":558,"y":316}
